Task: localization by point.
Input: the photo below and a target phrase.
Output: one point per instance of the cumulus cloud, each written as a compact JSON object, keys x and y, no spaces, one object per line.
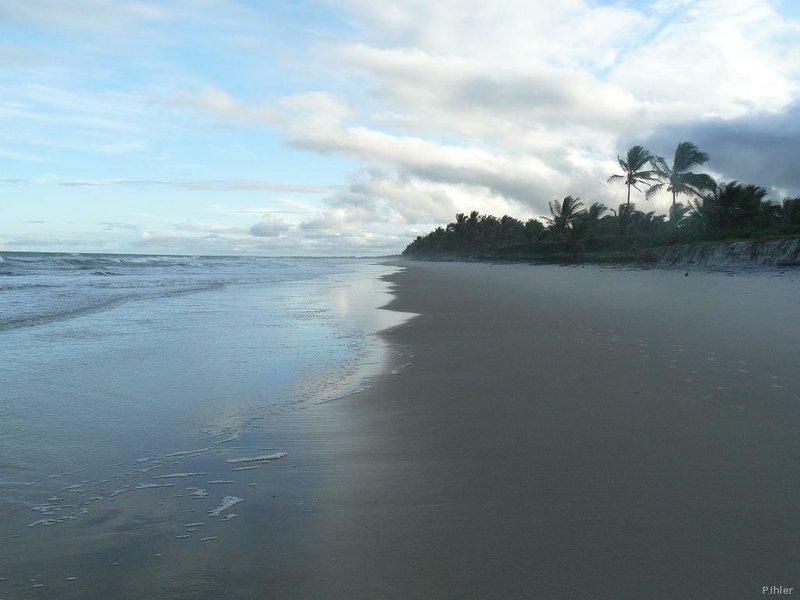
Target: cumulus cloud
{"x":270,"y":226}
{"x":496,"y":107}
{"x":516,"y":31}
{"x":716,"y":58}
{"x":761,"y":148}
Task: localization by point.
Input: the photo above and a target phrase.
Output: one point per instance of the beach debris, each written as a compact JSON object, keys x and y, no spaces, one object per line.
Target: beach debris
{"x":227,"y":502}
{"x":259,"y":458}
{"x":178,"y":475}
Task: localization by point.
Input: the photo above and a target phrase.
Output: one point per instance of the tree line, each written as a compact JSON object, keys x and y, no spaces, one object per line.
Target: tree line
{"x":712,"y":211}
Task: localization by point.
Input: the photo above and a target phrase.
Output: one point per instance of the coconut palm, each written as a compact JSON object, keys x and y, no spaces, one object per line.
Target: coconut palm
{"x":563,"y":213}
{"x":635,"y":171}
{"x":678,"y":178}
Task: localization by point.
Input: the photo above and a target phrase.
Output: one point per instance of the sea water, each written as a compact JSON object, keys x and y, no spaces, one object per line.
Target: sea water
{"x":129,"y":377}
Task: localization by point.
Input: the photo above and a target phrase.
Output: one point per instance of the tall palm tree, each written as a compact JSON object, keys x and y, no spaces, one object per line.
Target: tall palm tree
{"x":634,"y":170}
{"x":678,"y":178}
{"x":564,"y":213}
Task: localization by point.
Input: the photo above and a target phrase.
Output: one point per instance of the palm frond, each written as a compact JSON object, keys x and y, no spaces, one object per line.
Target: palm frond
{"x":687,"y":155}
{"x":654,"y":189}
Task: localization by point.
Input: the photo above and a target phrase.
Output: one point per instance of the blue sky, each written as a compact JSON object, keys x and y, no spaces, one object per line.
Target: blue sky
{"x":217,"y":126}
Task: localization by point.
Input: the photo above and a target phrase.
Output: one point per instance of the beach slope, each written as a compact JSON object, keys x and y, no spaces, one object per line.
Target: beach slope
{"x":556,"y":432}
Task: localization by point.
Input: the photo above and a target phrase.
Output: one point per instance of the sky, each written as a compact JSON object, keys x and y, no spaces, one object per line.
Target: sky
{"x":349,"y":127}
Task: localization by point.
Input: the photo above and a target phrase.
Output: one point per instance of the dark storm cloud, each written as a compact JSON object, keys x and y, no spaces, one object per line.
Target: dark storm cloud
{"x":761,"y":149}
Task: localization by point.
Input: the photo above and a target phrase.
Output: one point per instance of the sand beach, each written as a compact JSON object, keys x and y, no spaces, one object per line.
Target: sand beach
{"x":558,"y":432}
{"x":534,"y":432}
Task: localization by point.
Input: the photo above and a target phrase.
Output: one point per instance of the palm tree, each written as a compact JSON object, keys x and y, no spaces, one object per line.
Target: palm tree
{"x":678,"y":179}
{"x":634,"y":172}
{"x":677,"y":214}
{"x":564,"y":213}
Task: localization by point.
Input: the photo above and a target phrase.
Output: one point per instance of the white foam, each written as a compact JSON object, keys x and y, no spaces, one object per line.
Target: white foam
{"x":209,"y":538}
{"x":49,"y":522}
{"x":227,"y":502}
{"x":175,"y":475}
{"x":221,"y":481}
{"x":188,"y":452}
{"x":44,"y":522}
{"x":194,"y":524}
{"x":245,"y":468}
{"x":144,"y":486}
{"x":273,"y":456}
{"x":141,"y":486}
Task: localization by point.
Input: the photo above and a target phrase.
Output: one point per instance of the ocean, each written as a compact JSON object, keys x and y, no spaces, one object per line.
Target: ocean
{"x":133,"y":381}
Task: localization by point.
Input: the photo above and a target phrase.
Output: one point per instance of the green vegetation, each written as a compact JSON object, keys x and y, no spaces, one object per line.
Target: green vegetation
{"x":713,"y":212}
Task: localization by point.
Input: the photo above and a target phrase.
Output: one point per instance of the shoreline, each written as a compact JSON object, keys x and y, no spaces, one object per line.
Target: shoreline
{"x":536,"y":433}
{"x":138,"y":526}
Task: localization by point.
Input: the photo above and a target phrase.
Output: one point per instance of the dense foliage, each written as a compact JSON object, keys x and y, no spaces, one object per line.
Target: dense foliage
{"x":713,"y":211}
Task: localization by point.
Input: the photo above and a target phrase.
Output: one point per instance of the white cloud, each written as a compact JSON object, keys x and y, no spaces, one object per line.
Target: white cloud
{"x":445,"y":107}
{"x":210,"y":185}
{"x":222,"y":106}
{"x":513,"y":32}
{"x":270,"y":226}
{"x":717,"y":58}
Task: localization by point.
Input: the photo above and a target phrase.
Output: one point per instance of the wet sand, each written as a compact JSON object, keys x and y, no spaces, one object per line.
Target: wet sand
{"x":572,"y":433}
{"x":543,"y":432}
